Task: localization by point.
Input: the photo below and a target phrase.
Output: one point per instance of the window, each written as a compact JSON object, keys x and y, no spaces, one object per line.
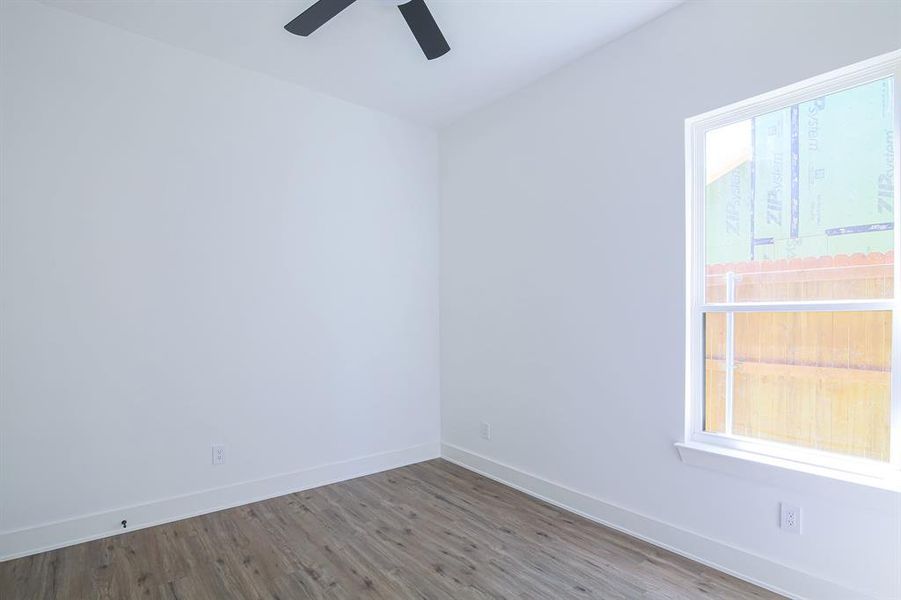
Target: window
{"x":792,"y":219}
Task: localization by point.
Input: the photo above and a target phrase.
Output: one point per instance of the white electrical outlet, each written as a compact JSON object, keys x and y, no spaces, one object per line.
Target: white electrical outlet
{"x":485,"y":431}
{"x":790,"y":517}
{"x":218,"y":455}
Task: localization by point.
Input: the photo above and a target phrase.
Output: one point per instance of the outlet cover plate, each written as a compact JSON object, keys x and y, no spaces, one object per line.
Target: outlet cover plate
{"x":218,"y":454}
{"x":790,"y":518}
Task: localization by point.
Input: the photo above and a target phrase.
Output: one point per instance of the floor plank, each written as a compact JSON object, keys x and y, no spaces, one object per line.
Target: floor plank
{"x":427,"y":531}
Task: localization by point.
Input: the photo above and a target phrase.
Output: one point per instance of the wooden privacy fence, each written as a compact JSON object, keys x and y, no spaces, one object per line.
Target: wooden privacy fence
{"x":814,"y":379}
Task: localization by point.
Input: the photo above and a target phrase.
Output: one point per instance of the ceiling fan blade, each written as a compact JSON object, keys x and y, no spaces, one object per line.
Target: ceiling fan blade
{"x":316,"y":16}
{"x":424,"y":28}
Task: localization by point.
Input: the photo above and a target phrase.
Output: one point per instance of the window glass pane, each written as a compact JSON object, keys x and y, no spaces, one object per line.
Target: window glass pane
{"x":715,"y":372}
{"x":799,"y":201}
{"x":814,"y":379}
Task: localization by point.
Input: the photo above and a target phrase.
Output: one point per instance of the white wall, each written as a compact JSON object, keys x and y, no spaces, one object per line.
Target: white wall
{"x":196,"y":254}
{"x":562,"y":291}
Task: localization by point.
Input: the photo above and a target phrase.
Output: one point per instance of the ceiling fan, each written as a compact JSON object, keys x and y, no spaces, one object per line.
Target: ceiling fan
{"x":415,"y":12}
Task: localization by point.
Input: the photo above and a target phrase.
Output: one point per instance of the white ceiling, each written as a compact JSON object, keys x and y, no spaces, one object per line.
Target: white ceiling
{"x":368,"y":56}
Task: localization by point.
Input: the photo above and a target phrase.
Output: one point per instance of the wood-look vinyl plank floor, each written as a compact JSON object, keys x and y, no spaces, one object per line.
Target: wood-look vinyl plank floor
{"x":430,"y":531}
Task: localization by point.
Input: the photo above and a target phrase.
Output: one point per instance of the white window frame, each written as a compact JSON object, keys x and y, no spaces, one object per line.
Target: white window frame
{"x":887,"y":65}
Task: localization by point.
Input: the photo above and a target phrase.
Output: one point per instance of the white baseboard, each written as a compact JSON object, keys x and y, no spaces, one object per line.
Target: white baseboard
{"x":49,"y":536}
{"x":723,"y":557}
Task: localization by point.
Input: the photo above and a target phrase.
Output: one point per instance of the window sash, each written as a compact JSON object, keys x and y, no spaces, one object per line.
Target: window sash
{"x":696,"y":128}
{"x":800,"y":306}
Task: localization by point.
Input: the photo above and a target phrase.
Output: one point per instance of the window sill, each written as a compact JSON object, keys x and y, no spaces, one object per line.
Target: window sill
{"x":787,"y":473}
